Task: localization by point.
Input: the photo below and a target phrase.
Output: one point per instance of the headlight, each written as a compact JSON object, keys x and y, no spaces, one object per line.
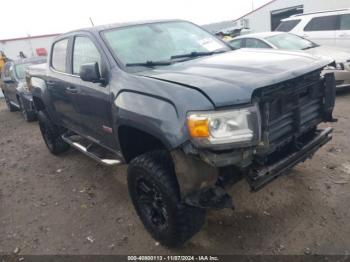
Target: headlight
{"x":336,"y":66}
{"x":230,"y":127}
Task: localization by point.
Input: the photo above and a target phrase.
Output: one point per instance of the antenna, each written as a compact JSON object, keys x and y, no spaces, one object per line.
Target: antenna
{"x":92,"y":23}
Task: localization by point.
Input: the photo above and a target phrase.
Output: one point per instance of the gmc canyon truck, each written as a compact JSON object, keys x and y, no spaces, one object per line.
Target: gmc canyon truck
{"x":188,"y":114}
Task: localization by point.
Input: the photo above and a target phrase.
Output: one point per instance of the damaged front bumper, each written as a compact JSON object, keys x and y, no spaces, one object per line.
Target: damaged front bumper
{"x":200,"y":182}
{"x":260,"y":176}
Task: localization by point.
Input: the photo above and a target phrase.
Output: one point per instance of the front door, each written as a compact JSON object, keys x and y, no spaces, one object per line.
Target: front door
{"x":322,"y":30}
{"x":92,"y":100}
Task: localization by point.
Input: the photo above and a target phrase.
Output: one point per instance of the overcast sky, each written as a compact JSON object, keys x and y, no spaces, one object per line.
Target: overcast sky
{"x":22,"y":17}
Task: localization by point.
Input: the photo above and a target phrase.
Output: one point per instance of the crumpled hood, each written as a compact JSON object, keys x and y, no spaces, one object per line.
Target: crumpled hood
{"x":230,"y":78}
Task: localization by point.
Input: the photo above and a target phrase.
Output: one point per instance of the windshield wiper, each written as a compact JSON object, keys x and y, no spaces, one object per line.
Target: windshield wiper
{"x":150,"y":63}
{"x":196,"y":54}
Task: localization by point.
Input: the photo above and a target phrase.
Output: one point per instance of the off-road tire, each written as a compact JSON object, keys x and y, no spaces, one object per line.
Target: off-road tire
{"x":51,"y":134}
{"x":28,"y":116}
{"x":181,"y":221}
{"x":10,"y":107}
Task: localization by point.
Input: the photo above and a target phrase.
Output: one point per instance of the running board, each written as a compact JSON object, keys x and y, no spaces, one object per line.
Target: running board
{"x":90,"y":153}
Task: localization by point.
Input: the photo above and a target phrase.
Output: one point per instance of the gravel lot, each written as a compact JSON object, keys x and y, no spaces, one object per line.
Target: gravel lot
{"x":71,"y":205}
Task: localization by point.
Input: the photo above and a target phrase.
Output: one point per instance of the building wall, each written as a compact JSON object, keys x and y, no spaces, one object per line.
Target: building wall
{"x":260,"y":20}
{"x":12,"y":47}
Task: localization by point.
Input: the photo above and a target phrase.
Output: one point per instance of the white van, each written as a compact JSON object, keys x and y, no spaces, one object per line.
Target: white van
{"x":330,"y":28}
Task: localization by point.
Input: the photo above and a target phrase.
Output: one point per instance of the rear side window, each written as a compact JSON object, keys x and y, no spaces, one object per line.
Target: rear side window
{"x":59,"y":55}
{"x":236,"y":44}
{"x":345,"y":22}
{"x":84,"y":52}
{"x":287,"y":26}
{"x":255,"y":43}
{"x":323,"y":23}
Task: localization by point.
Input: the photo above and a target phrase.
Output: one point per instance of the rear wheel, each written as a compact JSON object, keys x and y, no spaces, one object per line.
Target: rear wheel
{"x":155,"y":194}
{"x":51,"y":134}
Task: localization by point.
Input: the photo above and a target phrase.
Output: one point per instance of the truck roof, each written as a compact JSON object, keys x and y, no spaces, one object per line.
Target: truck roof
{"x":99,"y":28}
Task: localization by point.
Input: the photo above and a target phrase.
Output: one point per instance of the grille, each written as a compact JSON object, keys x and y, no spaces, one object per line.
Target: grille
{"x":290,"y":109}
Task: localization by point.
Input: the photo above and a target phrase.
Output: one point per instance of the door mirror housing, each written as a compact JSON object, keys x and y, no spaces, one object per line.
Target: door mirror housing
{"x":90,"y":72}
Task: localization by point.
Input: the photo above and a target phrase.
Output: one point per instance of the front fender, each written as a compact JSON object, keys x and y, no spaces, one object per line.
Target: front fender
{"x":154,"y":115}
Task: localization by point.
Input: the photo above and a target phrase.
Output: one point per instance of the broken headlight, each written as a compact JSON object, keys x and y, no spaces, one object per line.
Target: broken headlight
{"x":236,"y":127}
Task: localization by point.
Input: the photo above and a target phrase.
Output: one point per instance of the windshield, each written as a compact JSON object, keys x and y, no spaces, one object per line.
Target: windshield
{"x":290,"y":41}
{"x":161,"y":42}
{"x":20,"y":70}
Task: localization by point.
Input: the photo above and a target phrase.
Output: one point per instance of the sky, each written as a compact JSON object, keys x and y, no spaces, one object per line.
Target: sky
{"x":20,"y":18}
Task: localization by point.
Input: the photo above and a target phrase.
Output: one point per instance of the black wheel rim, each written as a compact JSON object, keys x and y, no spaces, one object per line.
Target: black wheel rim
{"x":151,"y":204}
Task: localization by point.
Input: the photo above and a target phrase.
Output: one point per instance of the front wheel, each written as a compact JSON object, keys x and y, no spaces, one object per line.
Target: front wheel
{"x":156,"y":197}
{"x":10,"y":106}
{"x":51,"y":134}
{"x":28,"y":116}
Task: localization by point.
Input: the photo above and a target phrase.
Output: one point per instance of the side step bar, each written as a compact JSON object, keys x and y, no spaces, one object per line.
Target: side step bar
{"x":89,"y":153}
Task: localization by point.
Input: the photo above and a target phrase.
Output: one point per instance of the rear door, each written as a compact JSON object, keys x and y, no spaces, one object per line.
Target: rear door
{"x":61,"y":95}
{"x":322,"y":30}
{"x":92,"y":100}
{"x":343,"y":34}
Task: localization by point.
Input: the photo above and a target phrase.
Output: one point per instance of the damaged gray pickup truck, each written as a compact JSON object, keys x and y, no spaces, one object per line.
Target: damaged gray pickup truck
{"x":189,"y":115}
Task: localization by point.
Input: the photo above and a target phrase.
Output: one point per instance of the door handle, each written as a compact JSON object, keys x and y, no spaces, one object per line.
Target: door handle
{"x":71,"y":90}
{"x":344,"y":35}
{"x":50,"y":83}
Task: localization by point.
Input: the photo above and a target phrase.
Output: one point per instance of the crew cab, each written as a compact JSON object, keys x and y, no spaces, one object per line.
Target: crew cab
{"x":189,"y":115}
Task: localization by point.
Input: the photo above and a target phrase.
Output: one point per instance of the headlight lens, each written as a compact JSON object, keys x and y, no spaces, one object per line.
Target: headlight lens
{"x":231,"y":127}
{"x":336,"y":66}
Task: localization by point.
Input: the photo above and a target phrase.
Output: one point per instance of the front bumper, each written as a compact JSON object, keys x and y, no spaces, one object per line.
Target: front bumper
{"x":260,"y":176}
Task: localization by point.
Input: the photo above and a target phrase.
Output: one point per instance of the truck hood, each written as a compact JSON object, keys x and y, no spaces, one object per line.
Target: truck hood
{"x":230,"y":78}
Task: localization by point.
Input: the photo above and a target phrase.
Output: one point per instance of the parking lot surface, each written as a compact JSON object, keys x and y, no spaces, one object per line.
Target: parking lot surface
{"x":72,"y":205}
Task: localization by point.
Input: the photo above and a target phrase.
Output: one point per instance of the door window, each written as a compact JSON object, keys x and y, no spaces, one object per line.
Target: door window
{"x":323,"y":23}
{"x":59,"y":55}
{"x":255,"y":43}
{"x":84,"y":52}
{"x":236,"y":44}
{"x":345,"y":22}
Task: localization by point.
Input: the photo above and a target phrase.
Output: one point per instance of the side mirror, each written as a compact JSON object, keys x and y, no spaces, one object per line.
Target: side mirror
{"x":90,"y":72}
